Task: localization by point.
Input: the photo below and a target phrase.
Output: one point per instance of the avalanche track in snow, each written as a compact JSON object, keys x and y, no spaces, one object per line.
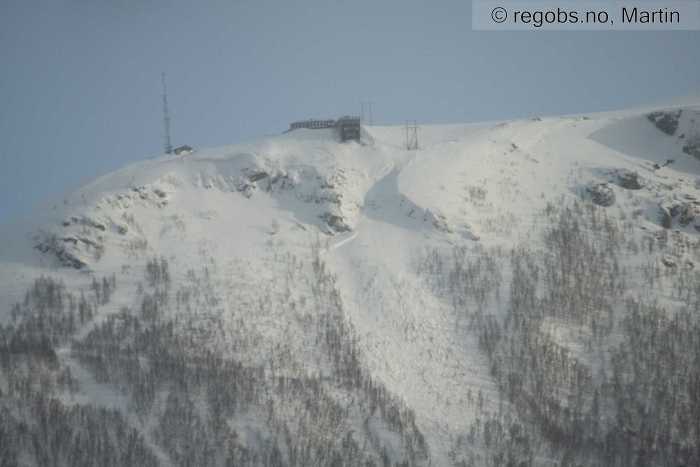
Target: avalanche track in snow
{"x":297,"y":296}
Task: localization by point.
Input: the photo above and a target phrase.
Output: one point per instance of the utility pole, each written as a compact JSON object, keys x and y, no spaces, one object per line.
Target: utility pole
{"x":411,"y":135}
{"x":366,"y":112}
{"x":166,"y":116}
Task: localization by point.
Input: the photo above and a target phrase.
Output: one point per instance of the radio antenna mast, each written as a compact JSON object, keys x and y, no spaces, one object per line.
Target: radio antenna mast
{"x":166,"y":116}
{"x":411,"y":135}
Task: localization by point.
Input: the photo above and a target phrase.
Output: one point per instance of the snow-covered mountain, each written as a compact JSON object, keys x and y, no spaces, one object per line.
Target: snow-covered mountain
{"x":511,"y":293}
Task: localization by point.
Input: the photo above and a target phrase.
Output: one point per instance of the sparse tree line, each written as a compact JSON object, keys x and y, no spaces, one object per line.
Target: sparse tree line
{"x":196,"y":405}
{"x":622,"y":388}
{"x":37,"y":426}
{"x":625,"y":388}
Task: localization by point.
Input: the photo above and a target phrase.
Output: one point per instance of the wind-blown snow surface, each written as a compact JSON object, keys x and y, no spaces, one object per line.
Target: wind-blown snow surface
{"x":249,"y":220}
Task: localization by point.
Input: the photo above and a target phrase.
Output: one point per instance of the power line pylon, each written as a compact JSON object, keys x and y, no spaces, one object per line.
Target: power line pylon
{"x":366,"y":112}
{"x":166,"y":117}
{"x":411,"y":135}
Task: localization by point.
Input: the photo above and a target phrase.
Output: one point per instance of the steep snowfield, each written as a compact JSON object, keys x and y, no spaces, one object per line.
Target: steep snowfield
{"x":373,"y":210}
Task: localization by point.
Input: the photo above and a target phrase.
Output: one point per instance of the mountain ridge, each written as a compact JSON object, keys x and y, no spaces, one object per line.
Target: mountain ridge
{"x":383,"y":282}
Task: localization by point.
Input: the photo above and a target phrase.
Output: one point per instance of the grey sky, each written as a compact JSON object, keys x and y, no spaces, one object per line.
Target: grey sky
{"x":80,"y":79}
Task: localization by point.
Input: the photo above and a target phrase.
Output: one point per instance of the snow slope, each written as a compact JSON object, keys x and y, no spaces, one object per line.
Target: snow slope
{"x":372,"y":209}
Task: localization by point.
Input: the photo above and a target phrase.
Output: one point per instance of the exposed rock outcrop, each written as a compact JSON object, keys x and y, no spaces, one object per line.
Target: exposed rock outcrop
{"x":601,"y":194}
{"x":666,"y":121}
{"x":627,"y":179}
{"x":684,"y":213}
{"x":85,"y":221}
{"x":306,"y":184}
{"x":335,"y":222}
{"x":692,"y":147}
{"x":63,"y":249}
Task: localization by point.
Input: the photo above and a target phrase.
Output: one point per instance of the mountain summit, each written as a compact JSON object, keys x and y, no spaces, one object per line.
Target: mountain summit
{"x":511,"y":293}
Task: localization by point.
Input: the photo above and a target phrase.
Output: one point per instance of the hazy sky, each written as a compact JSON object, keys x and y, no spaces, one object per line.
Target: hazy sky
{"x":80,"y":79}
